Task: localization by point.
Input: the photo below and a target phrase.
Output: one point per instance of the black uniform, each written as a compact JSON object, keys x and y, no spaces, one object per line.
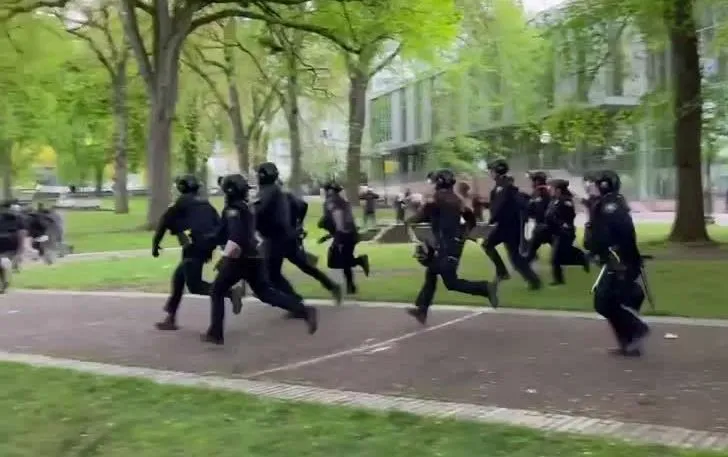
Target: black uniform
{"x":507,"y":215}
{"x":279,"y":218}
{"x":338,"y":221}
{"x":559,"y":220}
{"x":244,"y":262}
{"x":617,"y":295}
{"x":370,"y":208}
{"x":442,"y":258}
{"x":12,"y":227}
{"x":538,"y":202}
{"x":196,"y":224}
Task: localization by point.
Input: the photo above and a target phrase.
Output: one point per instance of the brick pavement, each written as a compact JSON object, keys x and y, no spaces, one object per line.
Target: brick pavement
{"x":548,"y":364}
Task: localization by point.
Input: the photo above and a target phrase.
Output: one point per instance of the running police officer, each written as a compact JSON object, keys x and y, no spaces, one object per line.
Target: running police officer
{"x":617,"y":295}
{"x":338,"y":221}
{"x":241,"y":260}
{"x":444,"y":212}
{"x":536,"y":211}
{"x":196,"y":224}
{"x":274,"y":222}
{"x":279,"y":219}
{"x":12,"y":237}
{"x":506,"y":209}
{"x":559,"y":220}
{"x":300,"y":258}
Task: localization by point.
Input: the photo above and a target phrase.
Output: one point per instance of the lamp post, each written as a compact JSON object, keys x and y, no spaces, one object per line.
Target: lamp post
{"x":544,"y":139}
{"x":382,"y":152}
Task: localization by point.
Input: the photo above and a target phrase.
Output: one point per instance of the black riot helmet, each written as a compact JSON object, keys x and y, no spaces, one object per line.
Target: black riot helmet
{"x":443,"y":179}
{"x":333,"y":186}
{"x":499,"y":166}
{"x":607,"y":181}
{"x":538,"y":178}
{"x":235,"y":187}
{"x":561,"y":184}
{"x":187,"y":184}
{"x":267,"y":173}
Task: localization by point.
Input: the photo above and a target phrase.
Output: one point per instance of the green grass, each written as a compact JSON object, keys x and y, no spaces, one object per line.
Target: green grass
{"x":97,"y":231}
{"x":52,"y":412}
{"x":683,"y":287}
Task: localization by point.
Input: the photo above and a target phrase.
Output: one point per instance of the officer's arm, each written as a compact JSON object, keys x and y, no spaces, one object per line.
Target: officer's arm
{"x":237,"y":231}
{"x":283,"y":210}
{"x":424,"y":214}
{"x":302,"y":209}
{"x":164,"y":224}
{"x":469,"y":216}
{"x":495,"y":205}
{"x":375,"y":196}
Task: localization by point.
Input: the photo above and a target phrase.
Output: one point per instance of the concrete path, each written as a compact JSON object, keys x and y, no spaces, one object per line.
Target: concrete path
{"x":549,"y":371}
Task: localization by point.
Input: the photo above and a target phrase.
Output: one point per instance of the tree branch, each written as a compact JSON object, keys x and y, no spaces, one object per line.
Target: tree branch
{"x":210,"y":83}
{"x":387,"y":60}
{"x":131,"y":28}
{"x":318,"y":30}
{"x":16,"y":7}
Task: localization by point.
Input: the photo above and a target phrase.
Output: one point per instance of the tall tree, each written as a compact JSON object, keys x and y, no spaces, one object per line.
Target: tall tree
{"x":673,"y":22}
{"x":371,"y":36}
{"x":97,"y":25}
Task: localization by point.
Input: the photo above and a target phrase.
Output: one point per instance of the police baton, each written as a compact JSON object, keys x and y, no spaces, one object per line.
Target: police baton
{"x":599,"y":278}
{"x":646,"y":283}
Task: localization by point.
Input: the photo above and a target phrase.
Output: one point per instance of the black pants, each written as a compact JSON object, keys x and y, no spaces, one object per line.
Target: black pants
{"x":563,"y":252}
{"x":341,"y":257}
{"x":292,"y":250}
{"x":370,"y":219}
{"x":189,"y":272}
{"x":445,"y":265}
{"x":253,"y":272}
{"x":618,"y":297}
{"x":540,"y":236}
{"x":511,"y":240}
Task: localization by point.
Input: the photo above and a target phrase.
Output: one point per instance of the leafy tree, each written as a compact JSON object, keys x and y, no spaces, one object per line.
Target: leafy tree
{"x":672,"y":21}
{"x":98,"y":27}
{"x":371,"y":36}
{"x":27,"y":65}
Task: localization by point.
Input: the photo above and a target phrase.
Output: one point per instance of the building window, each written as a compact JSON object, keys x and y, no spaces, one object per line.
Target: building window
{"x":381,"y":119}
{"x":403,"y":115}
{"x":418,"y":111}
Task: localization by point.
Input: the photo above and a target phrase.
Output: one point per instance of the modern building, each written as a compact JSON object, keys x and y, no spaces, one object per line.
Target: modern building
{"x":405,"y":117}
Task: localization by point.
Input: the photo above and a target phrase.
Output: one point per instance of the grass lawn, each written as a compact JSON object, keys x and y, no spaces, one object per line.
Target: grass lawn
{"x":683,"y":287}
{"x":51,"y":412}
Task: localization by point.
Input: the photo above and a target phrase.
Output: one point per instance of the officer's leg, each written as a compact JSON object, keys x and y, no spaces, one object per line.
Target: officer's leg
{"x":346,"y":253}
{"x":266,"y":293}
{"x":451,"y":280}
{"x":230,"y":272}
{"x":537,"y":239}
{"x":521,"y":265}
{"x":175,"y":297}
{"x":489,"y":246}
{"x":557,"y":259}
{"x":426,"y":295}
{"x":275,"y":254}
{"x":297,"y":256}
{"x":635,"y":297}
{"x":628,"y":328}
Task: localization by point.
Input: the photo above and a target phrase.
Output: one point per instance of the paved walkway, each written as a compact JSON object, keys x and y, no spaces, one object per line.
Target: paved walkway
{"x":547,"y":371}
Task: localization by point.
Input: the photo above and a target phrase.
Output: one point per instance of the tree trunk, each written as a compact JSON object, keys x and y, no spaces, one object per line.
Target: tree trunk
{"x":159,"y":136}
{"x":689,"y":225}
{"x":294,"y":128}
{"x":121,"y":135}
{"x":241,"y":140}
{"x":358,"y":82}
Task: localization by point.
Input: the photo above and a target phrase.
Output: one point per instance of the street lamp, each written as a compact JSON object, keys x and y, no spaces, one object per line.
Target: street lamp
{"x":544,"y":139}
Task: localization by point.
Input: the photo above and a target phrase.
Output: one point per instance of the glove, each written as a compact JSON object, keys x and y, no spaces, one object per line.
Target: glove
{"x":155,"y":251}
